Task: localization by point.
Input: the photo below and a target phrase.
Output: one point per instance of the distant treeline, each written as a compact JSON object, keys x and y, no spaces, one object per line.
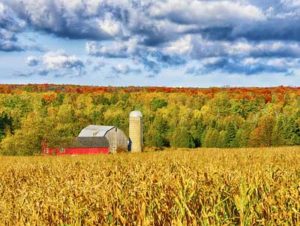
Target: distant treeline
{"x":176,"y":117}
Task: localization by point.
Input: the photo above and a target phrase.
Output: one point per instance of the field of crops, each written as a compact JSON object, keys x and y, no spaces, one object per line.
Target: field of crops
{"x":179,"y":187}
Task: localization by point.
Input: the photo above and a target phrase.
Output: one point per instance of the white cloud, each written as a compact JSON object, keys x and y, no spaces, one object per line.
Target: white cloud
{"x":290,"y":3}
{"x":199,"y":48}
{"x":10,"y":25}
{"x":110,"y":26}
{"x":121,"y":69}
{"x":9,"y":20}
{"x":61,"y":60}
{"x":206,"y":13}
{"x":182,"y":46}
{"x":124,"y":69}
{"x":118,"y":49}
{"x":73,"y":19}
{"x":59,"y":64}
{"x":155,"y":35}
{"x":32,"y":61}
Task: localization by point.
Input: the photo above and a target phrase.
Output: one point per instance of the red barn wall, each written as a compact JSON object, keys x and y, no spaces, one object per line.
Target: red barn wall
{"x":76,"y":151}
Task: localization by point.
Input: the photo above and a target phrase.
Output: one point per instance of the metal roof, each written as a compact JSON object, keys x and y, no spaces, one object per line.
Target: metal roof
{"x":95,"y":131}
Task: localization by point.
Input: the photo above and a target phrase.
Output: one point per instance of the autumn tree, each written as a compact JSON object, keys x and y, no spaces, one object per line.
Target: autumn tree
{"x":214,"y":117}
{"x":262,"y":134}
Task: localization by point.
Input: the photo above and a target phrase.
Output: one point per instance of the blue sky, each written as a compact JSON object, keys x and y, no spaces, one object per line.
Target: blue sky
{"x":194,"y":43}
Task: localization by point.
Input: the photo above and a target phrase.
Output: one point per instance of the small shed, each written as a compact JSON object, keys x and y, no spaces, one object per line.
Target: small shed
{"x":103,"y":136}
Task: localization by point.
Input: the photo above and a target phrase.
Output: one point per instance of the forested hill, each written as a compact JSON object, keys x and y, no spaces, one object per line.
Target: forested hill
{"x":177,"y":117}
{"x":96,"y":89}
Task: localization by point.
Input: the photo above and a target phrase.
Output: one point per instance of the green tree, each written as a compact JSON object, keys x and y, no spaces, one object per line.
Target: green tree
{"x":230,"y":135}
{"x":222,"y":141}
{"x":158,"y":103}
{"x":182,"y":138}
{"x":211,"y":138}
{"x":27,"y":140}
{"x":157,"y":133}
{"x":6,"y":124}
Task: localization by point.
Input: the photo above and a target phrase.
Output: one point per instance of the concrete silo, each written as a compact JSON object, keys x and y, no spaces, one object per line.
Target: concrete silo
{"x":136,"y":131}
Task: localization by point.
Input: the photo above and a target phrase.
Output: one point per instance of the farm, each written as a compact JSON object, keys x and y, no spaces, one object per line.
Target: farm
{"x":141,"y":112}
{"x":172,"y":117}
{"x":249,"y":186}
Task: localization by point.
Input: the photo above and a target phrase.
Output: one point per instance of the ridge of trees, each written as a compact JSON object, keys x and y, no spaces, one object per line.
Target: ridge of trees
{"x":176,"y":117}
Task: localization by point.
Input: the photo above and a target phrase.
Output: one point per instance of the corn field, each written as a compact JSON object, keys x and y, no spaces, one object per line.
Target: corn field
{"x":172,"y":187}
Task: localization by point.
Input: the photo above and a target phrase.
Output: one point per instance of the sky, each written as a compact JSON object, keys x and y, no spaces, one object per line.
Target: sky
{"x":180,"y":43}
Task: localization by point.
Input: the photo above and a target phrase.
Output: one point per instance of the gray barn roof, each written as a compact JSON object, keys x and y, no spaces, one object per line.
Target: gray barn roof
{"x":95,"y":131}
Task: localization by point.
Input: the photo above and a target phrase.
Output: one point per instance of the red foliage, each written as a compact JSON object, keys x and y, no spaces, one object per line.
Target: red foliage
{"x":238,"y":93}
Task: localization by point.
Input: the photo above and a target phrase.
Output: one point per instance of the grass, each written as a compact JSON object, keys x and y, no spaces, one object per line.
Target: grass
{"x":173,"y":187}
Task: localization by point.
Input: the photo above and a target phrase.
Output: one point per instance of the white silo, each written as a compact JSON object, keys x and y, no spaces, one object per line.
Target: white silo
{"x":136,"y":131}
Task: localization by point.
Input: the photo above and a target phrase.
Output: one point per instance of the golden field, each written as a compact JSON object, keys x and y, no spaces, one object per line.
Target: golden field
{"x":173,"y":187}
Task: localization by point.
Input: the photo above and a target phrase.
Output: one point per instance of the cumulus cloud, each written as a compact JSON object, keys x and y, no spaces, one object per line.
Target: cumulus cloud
{"x":32,"y":61}
{"x":161,"y":34}
{"x":291,"y":3}
{"x":10,"y":25}
{"x":9,"y":41}
{"x":245,"y":66}
{"x":113,"y":49}
{"x":61,"y":60}
{"x":181,"y":46}
{"x":201,"y":48}
{"x":206,"y":13}
{"x":155,"y":22}
{"x":158,"y":22}
{"x":56,"y":63}
{"x":9,"y":19}
{"x":123,"y":69}
{"x":73,"y":19}
{"x":152,"y":59}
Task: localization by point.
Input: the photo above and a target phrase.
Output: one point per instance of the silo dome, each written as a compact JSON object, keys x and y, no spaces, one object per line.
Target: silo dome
{"x":136,"y":114}
{"x":136,"y":131}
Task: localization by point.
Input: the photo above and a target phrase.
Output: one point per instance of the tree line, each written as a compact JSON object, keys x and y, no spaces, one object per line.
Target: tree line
{"x":173,"y":117}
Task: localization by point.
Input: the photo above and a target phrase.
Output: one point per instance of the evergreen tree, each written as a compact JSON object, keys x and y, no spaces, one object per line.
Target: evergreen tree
{"x":230,"y":135}
{"x":5,"y":125}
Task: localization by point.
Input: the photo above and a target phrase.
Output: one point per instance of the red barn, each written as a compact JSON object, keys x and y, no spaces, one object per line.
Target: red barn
{"x":94,"y":140}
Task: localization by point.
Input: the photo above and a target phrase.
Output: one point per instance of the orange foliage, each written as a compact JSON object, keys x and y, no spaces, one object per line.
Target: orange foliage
{"x":237,"y":93}
{"x":49,"y":98}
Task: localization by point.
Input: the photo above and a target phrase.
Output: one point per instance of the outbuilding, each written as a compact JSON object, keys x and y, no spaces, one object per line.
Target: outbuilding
{"x":94,"y":139}
{"x":110,"y":137}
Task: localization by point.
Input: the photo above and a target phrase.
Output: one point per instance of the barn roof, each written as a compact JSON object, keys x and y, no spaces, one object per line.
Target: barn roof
{"x":95,"y":131}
